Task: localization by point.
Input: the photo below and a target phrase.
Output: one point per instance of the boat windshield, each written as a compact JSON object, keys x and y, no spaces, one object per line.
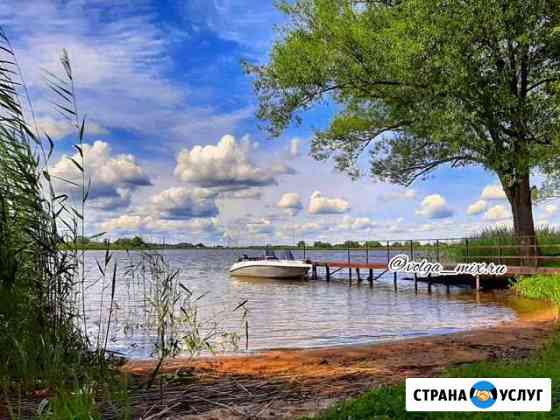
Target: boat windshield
{"x":269,"y":254}
{"x":287,"y":255}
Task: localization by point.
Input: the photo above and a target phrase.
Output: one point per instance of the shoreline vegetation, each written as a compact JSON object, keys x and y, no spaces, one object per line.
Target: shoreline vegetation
{"x":55,"y":362}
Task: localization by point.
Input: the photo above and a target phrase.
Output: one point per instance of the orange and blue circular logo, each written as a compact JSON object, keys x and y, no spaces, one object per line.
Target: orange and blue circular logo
{"x":483,"y":394}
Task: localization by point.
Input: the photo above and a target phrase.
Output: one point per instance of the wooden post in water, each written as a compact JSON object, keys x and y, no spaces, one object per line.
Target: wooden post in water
{"x":499,"y":250}
{"x":304,"y":251}
{"x":370,"y":277}
{"x":358,"y":275}
{"x":349,"y":268}
{"x":328,"y":272}
{"x":416,"y":282}
{"x":367,"y":253}
{"x":429,"y":283}
{"x":388,"y":252}
{"x":395,"y":280}
{"x":314,"y":271}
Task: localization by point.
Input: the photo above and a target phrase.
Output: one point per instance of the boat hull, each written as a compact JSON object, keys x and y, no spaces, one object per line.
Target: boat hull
{"x":270,"y":269}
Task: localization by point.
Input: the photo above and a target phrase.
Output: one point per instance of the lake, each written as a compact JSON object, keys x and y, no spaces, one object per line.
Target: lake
{"x":281,"y":314}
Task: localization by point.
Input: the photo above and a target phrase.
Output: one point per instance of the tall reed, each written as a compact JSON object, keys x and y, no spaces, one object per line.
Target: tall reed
{"x":37,"y":279}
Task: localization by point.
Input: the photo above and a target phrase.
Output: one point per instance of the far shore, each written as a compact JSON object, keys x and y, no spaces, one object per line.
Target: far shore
{"x":308,"y":380}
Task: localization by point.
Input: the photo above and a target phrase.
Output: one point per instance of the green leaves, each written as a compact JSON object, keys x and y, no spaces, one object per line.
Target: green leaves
{"x":466,"y":76}
{"x":420,"y":84}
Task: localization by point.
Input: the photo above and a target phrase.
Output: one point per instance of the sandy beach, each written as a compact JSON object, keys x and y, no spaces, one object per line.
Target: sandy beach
{"x":289,"y":383}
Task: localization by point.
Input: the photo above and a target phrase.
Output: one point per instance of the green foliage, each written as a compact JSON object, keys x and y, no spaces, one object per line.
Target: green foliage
{"x":319,"y":244}
{"x":130,"y":243}
{"x":76,"y":404}
{"x":389,"y":402}
{"x":540,"y":286}
{"x":40,"y":339}
{"x":420,"y":84}
{"x":501,"y":245}
{"x":456,"y":83}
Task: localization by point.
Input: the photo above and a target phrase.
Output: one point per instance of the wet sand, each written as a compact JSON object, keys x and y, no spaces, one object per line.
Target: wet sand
{"x":301,"y":382}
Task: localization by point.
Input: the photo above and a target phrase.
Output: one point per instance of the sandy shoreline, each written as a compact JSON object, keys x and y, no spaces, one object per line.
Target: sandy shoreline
{"x":306,"y":380}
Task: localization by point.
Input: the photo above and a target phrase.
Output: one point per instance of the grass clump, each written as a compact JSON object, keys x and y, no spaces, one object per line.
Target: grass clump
{"x":540,"y":286}
{"x":389,"y":402}
{"x":500,"y":245}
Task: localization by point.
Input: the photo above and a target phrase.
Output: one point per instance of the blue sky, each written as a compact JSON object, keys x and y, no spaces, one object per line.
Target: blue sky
{"x":174,"y":149}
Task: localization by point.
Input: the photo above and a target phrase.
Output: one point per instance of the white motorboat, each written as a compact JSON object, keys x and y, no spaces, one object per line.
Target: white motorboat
{"x":270,"y":266}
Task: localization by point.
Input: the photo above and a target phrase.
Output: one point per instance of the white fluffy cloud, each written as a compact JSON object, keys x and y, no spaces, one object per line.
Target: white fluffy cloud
{"x":497,"y":213}
{"x":318,"y":204}
{"x":398,"y":195}
{"x":550,"y":209}
{"x":121,"y":66}
{"x":356,"y":223}
{"x":124,"y":222}
{"x":300,"y":230}
{"x":290,"y":202}
{"x":434,"y":207}
{"x":58,"y":129}
{"x":185,"y":203}
{"x":251,"y":194}
{"x":493,"y":192}
{"x":396,"y":226}
{"x":226,"y":165}
{"x":281,"y":168}
{"x":260,"y":227}
{"x":295,"y":144}
{"x":477,"y":207}
{"x":135,"y":223}
{"x":113,"y":178}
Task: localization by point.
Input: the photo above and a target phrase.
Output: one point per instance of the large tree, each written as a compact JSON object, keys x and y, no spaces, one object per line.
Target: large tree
{"x":423,"y":83}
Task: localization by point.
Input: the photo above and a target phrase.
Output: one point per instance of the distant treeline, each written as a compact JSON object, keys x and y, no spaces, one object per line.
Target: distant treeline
{"x":135,"y":243}
{"x":138,"y":243}
{"x":357,"y":244}
{"x":491,"y":236}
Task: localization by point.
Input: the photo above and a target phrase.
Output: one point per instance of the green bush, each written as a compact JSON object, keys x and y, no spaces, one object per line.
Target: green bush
{"x":541,"y":286}
{"x":500,"y":245}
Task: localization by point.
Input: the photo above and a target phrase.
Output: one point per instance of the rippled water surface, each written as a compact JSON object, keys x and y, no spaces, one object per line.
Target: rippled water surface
{"x":286,"y":314}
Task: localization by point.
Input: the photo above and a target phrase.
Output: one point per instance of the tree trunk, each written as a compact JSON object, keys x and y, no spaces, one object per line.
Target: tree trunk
{"x":519,"y":196}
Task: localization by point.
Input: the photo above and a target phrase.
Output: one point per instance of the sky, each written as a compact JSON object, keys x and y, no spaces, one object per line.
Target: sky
{"x":174,"y":150}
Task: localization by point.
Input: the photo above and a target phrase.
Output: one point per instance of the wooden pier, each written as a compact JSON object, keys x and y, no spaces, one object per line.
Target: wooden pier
{"x":333,"y":267}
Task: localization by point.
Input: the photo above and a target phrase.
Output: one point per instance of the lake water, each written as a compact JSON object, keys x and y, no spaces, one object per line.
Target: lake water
{"x":283,"y":314}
